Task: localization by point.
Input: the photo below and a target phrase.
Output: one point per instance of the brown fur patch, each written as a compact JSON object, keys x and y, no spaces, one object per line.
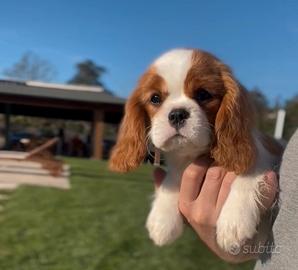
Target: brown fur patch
{"x":229,"y":112}
{"x":131,"y":148}
{"x":149,"y":84}
{"x":234,"y":147}
{"x":205,"y":74}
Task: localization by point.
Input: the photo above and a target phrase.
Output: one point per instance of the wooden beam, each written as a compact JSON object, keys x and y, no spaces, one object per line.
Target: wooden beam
{"x":97,"y":136}
{"x":59,"y":103}
{"x":43,"y":147}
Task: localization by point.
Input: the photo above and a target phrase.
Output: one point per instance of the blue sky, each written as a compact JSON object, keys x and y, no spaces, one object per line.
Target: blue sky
{"x":258,"y":39}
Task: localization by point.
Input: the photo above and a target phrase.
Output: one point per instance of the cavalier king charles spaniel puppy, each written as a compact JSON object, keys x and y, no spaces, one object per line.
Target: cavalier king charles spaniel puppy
{"x":187,"y":104}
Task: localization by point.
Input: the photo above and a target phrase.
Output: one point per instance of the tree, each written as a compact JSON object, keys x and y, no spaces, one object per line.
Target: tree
{"x":31,"y":67}
{"x":265,"y":115}
{"x":88,"y":73}
{"x":291,"y":122}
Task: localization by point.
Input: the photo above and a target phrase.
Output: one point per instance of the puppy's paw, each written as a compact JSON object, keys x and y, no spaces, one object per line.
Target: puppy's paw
{"x":232,"y":231}
{"x":239,"y":216}
{"x":164,"y":224}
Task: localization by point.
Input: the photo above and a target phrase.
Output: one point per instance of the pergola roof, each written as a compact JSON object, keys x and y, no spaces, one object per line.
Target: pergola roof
{"x":80,"y":93}
{"x":62,"y":101}
{"x":58,"y":101}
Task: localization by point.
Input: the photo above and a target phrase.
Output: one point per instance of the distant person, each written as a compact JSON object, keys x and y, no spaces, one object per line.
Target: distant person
{"x":61,"y":142}
{"x":88,"y":147}
{"x":77,"y":146}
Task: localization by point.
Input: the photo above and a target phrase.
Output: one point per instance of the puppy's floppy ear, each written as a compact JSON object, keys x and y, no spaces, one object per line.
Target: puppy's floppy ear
{"x":234,"y":146}
{"x":130,"y":148}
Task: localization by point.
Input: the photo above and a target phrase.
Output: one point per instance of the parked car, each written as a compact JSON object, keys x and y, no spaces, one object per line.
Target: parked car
{"x":19,"y":140}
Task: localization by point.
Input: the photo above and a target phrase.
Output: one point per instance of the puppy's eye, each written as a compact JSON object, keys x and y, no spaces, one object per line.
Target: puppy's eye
{"x":202,"y":95}
{"x":155,"y":99}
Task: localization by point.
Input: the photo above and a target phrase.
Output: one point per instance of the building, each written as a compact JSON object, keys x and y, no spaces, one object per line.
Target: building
{"x":71,"y":102}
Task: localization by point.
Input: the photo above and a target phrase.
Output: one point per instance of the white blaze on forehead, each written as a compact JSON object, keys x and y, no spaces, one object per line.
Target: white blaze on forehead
{"x":173,"y":67}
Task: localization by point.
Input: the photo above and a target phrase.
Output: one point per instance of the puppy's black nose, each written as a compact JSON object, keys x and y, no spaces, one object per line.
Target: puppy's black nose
{"x":177,"y":117}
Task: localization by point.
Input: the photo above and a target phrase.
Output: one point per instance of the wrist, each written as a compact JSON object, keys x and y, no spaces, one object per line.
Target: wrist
{"x":208,"y":235}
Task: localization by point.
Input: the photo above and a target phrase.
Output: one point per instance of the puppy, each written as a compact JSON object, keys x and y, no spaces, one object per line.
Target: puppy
{"x":188,"y":103}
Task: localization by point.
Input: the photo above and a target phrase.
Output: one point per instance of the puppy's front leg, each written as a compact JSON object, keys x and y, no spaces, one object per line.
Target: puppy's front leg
{"x":165,"y":223}
{"x":240,"y":214}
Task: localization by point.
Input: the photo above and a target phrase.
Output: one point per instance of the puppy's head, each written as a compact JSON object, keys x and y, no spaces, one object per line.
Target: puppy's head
{"x":187,"y":102}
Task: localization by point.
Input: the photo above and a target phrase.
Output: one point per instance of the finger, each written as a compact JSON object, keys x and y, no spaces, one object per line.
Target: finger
{"x":211,"y":186}
{"x":158,"y":175}
{"x":269,"y":189}
{"x":192,"y":179}
{"x":225,"y":189}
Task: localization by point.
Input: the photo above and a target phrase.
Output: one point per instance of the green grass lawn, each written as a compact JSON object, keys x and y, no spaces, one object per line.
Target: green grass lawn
{"x":97,"y":224}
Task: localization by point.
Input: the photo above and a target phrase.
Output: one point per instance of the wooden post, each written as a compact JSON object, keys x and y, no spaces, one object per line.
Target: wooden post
{"x":7,"y":126}
{"x":97,"y":136}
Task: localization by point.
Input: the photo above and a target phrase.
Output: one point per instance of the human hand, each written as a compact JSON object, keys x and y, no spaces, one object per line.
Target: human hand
{"x":204,"y":189}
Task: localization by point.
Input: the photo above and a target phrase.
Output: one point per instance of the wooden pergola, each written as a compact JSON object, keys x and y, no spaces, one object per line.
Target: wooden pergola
{"x":71,"y":102}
